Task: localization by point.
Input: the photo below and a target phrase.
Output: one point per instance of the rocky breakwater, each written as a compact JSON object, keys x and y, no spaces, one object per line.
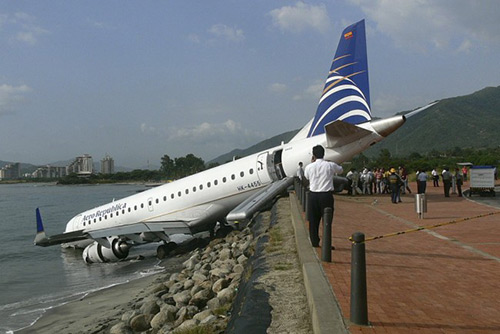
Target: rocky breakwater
{"x":199,"y":296}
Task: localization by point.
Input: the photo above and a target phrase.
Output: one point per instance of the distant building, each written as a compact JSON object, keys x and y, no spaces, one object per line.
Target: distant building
{"x":49,"y":172}
{"x":107,"y":165}
{"x":10,"y":171}
{"x":83,"y":166}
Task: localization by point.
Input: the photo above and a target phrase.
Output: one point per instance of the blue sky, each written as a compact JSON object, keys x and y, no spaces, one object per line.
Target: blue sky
{"x":140,"y":79}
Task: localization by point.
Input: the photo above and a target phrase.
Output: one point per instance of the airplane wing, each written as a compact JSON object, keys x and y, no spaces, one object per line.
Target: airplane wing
{"x":339,"y":133}
{"x":254,"y":203}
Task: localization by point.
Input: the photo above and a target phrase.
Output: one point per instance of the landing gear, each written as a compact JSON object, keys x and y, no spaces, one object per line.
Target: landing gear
{"x":164,"y":249}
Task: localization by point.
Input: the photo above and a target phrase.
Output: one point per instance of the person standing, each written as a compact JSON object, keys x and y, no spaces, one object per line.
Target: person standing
{"x":422,"y":181}
{"x":395,"y":183}
{"x":446,"y":181}
{"x":300,"y":172}
{"x":320,"y":174}
{"x":459,"y":181}
{"x":435,"y":178}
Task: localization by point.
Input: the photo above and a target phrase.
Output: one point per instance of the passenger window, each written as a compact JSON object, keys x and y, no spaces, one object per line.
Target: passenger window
{"x":251,"y":171}
{"x":233,"y":177}
{"x":208,"y":184}
{"x":224,"y":179}
{"x":105,"y":216}
{"x":187,"y":191}
{"x":157,"y":201}
{"x":172,"y":196}
{"x":129,"y":209}
{"x":194,"y":189}
{"x":242,"y":174}
{"x":135,"y":207}
{"x":201,"y":186}
{"x":179,"y":194}
{"x":164,"y":198}
{"x":216,"y":182}
{"x":142,"y":205}
{"x":95,"y":220}
{"x":117,"y":214}
{"x":123,"y":211}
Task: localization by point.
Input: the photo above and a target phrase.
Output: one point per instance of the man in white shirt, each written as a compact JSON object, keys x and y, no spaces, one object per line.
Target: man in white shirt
{"x":320,"y":174}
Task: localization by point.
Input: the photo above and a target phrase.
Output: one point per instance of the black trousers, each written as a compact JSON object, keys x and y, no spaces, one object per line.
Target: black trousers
{"x":318,"y":201}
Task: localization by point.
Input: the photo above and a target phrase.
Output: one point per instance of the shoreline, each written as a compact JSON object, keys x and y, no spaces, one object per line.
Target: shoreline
{"x":96,"y":311}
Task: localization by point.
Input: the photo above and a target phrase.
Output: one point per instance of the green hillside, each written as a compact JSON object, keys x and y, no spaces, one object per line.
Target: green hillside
{"x":470,"y":121}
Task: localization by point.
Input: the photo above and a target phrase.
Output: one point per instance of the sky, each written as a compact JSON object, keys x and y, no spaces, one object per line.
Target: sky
{"x":141,"y":79}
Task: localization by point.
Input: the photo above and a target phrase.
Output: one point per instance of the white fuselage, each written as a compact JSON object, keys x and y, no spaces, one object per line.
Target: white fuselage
{"x":208,"y":196}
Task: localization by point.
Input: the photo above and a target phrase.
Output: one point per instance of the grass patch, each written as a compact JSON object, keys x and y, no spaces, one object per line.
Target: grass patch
{"x":205,"y":329}
{"x":283,"y":266}
{"x":275,"y":239}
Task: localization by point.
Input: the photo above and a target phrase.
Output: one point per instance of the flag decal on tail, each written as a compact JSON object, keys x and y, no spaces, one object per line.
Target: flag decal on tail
{"x":346,"y":94}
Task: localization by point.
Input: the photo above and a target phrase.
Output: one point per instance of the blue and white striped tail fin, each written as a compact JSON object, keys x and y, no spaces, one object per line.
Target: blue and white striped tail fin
{"x":346,"y":95}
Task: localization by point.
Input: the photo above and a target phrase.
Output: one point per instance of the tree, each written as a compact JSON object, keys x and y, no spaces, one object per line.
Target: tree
{"x":167,"y":166}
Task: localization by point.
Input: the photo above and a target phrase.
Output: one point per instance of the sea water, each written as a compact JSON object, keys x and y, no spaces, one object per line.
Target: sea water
{"x":34,"y":279}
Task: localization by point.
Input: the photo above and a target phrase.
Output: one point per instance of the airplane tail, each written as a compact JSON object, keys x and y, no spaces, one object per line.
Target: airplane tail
{"x":346,"y":95}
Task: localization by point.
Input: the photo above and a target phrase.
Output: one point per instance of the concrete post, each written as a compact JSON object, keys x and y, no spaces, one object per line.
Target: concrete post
{"x":359,"y":304}
{"x":326,"y":247}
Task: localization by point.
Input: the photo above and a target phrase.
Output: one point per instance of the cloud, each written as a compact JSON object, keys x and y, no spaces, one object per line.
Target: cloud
{"x":312,"y":92}
{"x":21,"y":27}
{"x":425,"y":24}
{"x":277,"y":88}
{"x":301,"y":17}
{"x":206,"y":139}
{"x":10,"y":96}
{"x":224,"y":32}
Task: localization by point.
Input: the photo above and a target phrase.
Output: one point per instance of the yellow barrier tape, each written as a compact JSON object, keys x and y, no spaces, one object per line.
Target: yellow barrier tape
{"x":428,"y":227}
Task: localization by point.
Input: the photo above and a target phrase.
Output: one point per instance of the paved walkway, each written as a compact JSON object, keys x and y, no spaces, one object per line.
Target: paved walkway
{"x":444,"y":280}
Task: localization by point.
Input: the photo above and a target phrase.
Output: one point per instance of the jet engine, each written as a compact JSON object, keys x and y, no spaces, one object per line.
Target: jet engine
{"x":97,"y":253}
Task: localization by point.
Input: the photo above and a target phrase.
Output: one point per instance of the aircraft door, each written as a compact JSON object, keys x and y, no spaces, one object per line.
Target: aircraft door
{"x":150,"y":204}
{"x":263,"y":161}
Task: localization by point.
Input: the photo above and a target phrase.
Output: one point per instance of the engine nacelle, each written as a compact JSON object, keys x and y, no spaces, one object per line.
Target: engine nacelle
{"x":97,"y":253}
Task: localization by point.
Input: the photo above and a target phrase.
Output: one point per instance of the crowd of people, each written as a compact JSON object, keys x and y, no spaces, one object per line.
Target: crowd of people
{"x":394,"y":181}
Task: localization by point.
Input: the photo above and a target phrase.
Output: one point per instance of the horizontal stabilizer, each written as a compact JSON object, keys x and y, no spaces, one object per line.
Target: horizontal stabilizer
{"x":41,"y":239}
{"x":259,"y":200}
{"x":339,"y":133}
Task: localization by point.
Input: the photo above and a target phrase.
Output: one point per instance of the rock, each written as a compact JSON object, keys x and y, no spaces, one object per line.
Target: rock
{"x":187,"y":324}
{"x":176,"y":287}
{"x":120,"y":328}
{"x":166,"y":314}
{"x":201,"y":298}
{"x":225,"y":254}
{"x":141,"y":322}
{"x":181,"y":316}
{"x":242,"y":259}
{"x":149,"y":307}
{"x":199,"y":277}
{"x":208,"y":320}
{"x":226,"y":295}
{"x":214,"y":303}
{"x":188,"y":284}
{"x":238,"y":268}
{"x":182,"y":298}
{"x":202,"y":315}
{"x":127,"y":316}
{"x":220,"y":284}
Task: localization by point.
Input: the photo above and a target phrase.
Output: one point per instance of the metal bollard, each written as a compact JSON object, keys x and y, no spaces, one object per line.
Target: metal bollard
{"x":359,"y":304}
{"x":326,"y":246}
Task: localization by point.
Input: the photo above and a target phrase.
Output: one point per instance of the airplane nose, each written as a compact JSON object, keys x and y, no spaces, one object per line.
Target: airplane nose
{"x":385,"y":127}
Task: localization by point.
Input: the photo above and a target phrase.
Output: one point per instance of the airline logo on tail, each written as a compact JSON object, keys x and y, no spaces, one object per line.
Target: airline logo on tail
{"x":346,"y":95}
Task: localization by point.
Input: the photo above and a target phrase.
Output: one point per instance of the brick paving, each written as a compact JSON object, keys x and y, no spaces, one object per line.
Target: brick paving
{"x":444,"y":280}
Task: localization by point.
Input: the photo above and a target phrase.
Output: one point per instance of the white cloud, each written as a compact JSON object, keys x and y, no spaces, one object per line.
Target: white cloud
{"x":21,"y":27}
{"x":313,"y":92}
{"x":10,"y":96}
{"x":425,"y":24}
{"x":301,"y":17}
{"x":277,"y":88}
{"x":227,"y":33}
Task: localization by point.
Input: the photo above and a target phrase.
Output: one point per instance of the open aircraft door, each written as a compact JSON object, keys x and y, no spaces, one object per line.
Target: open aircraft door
{"x":263,"y":161}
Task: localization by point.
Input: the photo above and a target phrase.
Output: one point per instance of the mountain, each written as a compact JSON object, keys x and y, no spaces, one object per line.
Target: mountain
{"x":470,"y":121}
{"x":261,"y":146}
